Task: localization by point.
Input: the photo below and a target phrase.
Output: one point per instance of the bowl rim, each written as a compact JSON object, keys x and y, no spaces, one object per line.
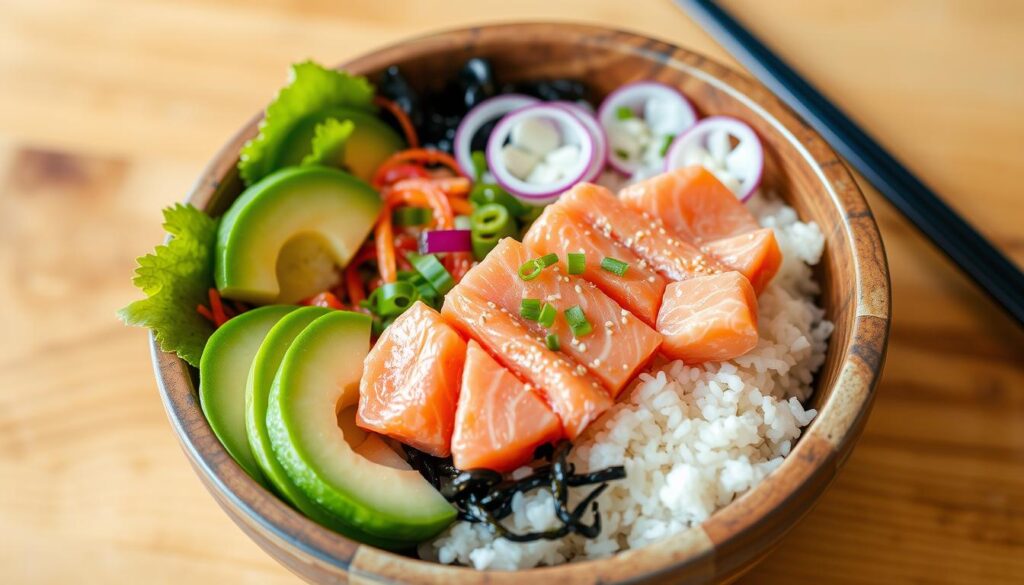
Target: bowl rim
{"x":713,"y":548}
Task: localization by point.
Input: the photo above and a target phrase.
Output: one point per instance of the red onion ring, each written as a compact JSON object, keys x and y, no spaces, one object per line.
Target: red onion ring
{"x":481,"y":114}
{"x":751,"y":167}
{"x":634,"y":96}
{"x":568,"y":124}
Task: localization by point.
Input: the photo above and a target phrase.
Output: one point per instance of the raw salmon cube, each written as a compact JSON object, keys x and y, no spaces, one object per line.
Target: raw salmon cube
{"x":574,"y":396}
{"x":639,"y":290}
{"x":500,"y":421}
{"x":691,"y":202}
{"x":411,"y":378}
{"x":708,"y":318}
{"x":755,"y":255}
{"x":620,"y":343}
{"x":668,"y":253}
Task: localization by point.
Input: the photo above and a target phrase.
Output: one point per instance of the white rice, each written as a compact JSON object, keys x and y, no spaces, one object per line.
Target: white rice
{"x":692,"y":438}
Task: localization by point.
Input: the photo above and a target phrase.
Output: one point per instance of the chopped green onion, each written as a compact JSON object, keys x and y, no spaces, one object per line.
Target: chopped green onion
{"x":552,"y":342}
{"x":577,"y":262}
{"x":370,"y":302}
{"x":395,"y":298}
{"x":578,"y":321}
{"x":431,"y":269}
{"x":479,"y":164}
{"x":624,"y":113}
{"x":667,"y":143}
{"x":530,"y":270}
{"x":616,"y":267}
{"x":484,"y":193}
{"x":529,"y":309}
{"x":489,"y":223}
{"x":411,"y":216}
{"x":548,"y":260}
{"x":547,"y":315}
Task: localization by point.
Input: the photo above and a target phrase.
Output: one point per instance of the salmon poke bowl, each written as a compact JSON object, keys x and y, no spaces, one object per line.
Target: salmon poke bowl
{"x":524,"y":300}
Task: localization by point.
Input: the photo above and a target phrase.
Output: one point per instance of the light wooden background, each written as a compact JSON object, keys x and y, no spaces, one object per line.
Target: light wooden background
{"x":109,"y":109}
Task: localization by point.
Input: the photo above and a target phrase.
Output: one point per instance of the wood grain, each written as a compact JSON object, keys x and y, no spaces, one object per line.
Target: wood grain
{"x":135,"y":97}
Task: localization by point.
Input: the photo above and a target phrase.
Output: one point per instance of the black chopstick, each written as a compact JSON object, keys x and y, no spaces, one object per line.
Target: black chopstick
{"x":975,"y":255}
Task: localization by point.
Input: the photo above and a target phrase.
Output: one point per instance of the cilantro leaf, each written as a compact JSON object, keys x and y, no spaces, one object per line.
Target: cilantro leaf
{"x":175,"y":279}
{"x":311,"y":88}
{"x":329,"y":140}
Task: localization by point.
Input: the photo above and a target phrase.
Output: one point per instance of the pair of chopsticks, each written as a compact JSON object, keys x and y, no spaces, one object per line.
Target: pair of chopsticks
{"x":975,"y":255}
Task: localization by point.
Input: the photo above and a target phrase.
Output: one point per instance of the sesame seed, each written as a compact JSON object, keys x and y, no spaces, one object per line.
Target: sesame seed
{"x":623,"y":312}
{"x":580,"y":370}
{"x":625,"y":367}
{"x":650,"y":279}
{"x":578,"y":289}
{"x":491,"y":305}
{"x":583,"y":346}
{"x":609,"y":324}
{"x":623,"y":320}
{"x":661,"y":231}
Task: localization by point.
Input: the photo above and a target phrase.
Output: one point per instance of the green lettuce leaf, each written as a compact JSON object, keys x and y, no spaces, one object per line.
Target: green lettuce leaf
{"x":176,"y":278}
{"x":311,"y":88}
{"x":329,"y":143}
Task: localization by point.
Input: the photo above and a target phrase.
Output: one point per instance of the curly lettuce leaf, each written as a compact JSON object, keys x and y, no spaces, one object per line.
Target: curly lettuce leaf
{"x":329,"y":143}
{"x":311,"y":88}
{"x":175,"y":279}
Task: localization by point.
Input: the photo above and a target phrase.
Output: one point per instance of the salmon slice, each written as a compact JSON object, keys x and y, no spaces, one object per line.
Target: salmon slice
{"x":642,"y":233}
{"x":575,"y":397}
{"x":500,"y":421}
{"x":693,"y":203}
{"x":620,"y":343}
{"x":410,"y":384}
{"x":755,"y":255}
{"x":639,"y":290}
{"x":709,"y":318}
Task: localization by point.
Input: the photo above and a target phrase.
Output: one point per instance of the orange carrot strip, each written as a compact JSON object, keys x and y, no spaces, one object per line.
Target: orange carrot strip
{"x":383,"y":234}
{"x":461,"y":206}
{"x":402,"y":117}
{"x":452,"y":186}
{"x":202,"y":310}
{"x":217,"y":308}
{"x":420,"y":155}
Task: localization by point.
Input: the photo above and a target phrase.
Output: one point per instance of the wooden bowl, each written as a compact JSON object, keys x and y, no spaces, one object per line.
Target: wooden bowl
{"x":801,"y":167}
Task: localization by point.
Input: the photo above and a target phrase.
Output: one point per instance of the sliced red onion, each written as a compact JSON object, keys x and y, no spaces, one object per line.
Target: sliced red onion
{"x":663,"y":109}
{"x":572,"y":131}
{"x":439,"y":241}
{"x":709,"y":143}
{"x":482,"y":113}
{"x":596,"y":133}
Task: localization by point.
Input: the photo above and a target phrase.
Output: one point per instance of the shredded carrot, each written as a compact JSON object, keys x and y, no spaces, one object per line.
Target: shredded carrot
{"x":461,"y":206}
{"x":202,"y":310}
{"x":383,"y":236}
{"x":324,"y":299}
{"x":401,"y":172}
{"x":451,"y":186}
{"x":402,"y":117}
{"x":217,"y":308}
{"x":353,"y":281}
{"x":423,"y":156}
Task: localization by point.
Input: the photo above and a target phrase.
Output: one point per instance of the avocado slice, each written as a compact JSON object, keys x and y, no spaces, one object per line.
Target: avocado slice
{"x":371,"y":143}
{"x":261,"y":377}
{"x":324,"y":204}
{"x":223,"y":371}
{"x":318,"y":378}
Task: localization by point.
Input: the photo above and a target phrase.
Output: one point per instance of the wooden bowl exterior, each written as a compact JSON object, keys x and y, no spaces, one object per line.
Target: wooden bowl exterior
{"x":801,"y":167}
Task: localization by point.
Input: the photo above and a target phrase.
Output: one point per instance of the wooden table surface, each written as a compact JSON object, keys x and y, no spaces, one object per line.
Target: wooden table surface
{"x":109,"y":109}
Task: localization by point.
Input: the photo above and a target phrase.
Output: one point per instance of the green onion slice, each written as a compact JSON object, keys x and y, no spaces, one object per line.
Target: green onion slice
{"x":578,"y":321}
{"x":547,"y":260}
{"x":547,"y":315}
{"x":529,"y":309}
{"x":395,"y":298}
{"x":479,"y":164}
{"x":433,"y":271}
{"x":616,"y":267}
{"x":552,"y":342}
{"x":411,"y":216}
{"x":624,"y":113}
{"x":577,"y":262}
{"x":530,"y":270}
{"x":491,"y":219}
